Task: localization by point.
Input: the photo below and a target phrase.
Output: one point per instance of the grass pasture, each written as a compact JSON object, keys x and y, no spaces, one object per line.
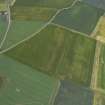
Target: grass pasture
{"x":81,"y":17}
{"x":32,"y":13}
{"x":19,"y":30}
{"x":58,"y":52}
{"x":72,"y":94}
{"x":24,"y":85}
{"x":45,"y":3}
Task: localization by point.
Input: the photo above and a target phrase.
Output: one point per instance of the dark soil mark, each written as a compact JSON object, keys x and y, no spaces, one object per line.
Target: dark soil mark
{"x":1,"y":81}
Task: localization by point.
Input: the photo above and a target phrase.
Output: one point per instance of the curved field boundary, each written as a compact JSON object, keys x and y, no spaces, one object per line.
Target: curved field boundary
{"x":34,"y":34}
{"x":8,"y":27}
{"x":71,"y":5}
{"x":55,"y":92}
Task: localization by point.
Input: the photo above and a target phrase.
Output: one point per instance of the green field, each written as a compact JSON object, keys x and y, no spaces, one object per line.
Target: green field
{"x":21,"y":29}
{"x":3,"y":26}
{"x":45,"y":3}
{"x":32,"y":13}
{"x":101,"y":74}
{"x":1,"y":1}
{"x":81,"y":17}
{"x":22,"y":85}
{"x":58,"y":52}
{"x":52,"y":53}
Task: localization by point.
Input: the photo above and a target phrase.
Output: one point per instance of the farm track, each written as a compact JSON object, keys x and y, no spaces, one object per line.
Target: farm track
{"x":96,"y":65}
{"x":8,"y":27}
{"x":72,"y":30}
{"x":31,"y":36}
{"x":34,"y":34}
{"x":55,"y":92}
{"x":95,"y":72}
{"x":98,"y":36}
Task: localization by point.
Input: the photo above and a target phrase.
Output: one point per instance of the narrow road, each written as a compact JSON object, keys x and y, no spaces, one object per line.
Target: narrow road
{"x":96,"y":65}
{"x":96,"y":70}
{"x":9,"y":23}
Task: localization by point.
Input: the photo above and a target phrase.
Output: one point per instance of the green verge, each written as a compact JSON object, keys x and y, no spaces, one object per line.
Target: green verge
{"x":23,"y":85}
{"x":19,"y":30}
{"x":3,"y":27}
{"x":101,"y":74}
{"x":81,"y":17}
{"x":45,"y":3}
{"x":58,"y":52}
{"x":32,"y":13}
